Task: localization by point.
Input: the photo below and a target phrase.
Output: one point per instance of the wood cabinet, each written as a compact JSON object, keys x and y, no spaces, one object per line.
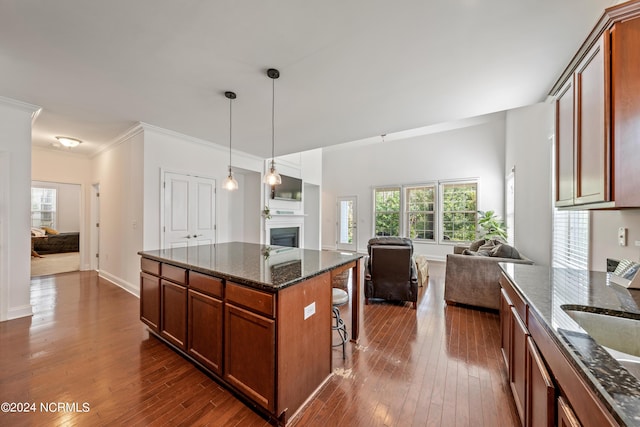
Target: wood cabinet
{"x":250,"y":354}
{"x":592,"y":148}
{"x":566,"y":417}
{"x":540,"y":390}
{"x":204,"y":334}
{"x":597,"y":105}
{"x":173,"y":313}
{"x":205,"y":320}
{"x":531,"y":385}
{"x":545,"y":386}
{"x":564,"y":145}
{"x":517,"y":363}
{"x":150,"y":301}
{"x":274,"y":348}
{"x":505,"y":326}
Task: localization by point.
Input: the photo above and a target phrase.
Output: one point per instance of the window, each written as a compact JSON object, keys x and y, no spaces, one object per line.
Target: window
{"x":387,"y":211}
{"x":459,"y":211}
{"x":420,"y":212}
{"x":43,"y":207}
{"x":571,"y":239}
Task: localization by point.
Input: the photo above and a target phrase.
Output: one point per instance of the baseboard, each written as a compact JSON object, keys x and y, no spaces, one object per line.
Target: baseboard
{"x":120,"y":283}
{"x":18,"y":312}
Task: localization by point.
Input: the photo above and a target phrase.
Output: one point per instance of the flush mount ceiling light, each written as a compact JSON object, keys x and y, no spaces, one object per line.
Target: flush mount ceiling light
{"x":68,"y":142}
{"x":230,"y":182}
{"x":273,"y":177}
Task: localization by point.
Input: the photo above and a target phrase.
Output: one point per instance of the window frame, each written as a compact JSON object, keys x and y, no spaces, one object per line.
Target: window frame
{"x":375,"y":212}
{"x":441,"y":185}
{"x":406,"y":212}
{"x":53,"y":211}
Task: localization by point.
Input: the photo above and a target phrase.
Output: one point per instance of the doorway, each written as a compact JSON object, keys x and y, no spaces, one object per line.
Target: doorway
{"x":56,"y":221}
{"x":347,"y":228}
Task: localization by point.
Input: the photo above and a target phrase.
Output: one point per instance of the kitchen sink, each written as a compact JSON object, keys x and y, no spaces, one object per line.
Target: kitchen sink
{"x":617,"y":332}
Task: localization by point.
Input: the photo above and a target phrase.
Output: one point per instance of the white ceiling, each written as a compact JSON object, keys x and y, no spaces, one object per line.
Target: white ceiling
{"x":349,"y":69}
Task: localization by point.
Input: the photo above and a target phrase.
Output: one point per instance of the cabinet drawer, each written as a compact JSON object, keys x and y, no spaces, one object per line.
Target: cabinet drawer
{"x":516,"y":300}
{"x":175,"y":274}
{"x":206,"y":284}
{"x":258,"y":301}
{"x":150,"y":266}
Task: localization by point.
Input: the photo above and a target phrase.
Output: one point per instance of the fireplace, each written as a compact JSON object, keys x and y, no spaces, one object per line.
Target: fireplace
{"x":285,"y":236}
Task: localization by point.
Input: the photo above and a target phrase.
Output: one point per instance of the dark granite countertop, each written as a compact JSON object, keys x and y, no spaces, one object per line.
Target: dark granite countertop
{"x":548,"y":291}
{"x":264,"y":267}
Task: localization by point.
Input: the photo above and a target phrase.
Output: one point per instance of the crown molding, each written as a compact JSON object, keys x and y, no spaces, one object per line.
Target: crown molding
{"x":125,"y":136}
{"x":199,"y":141}
{"x":20,"y":105}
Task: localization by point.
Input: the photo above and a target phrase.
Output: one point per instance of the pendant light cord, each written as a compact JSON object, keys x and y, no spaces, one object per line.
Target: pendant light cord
{"x":273,"y":126}
{"x":230,"y":120}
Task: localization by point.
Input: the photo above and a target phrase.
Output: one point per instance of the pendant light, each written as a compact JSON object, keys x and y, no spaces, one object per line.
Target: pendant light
{"x":273,"y":177}
{"x":230,"y":182}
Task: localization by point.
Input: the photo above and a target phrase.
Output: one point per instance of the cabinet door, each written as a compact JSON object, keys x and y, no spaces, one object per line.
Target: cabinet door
{"x":505,"y":326}
{"x":625,"y":86}
{"x":540,"y":390}
{"x":592,"y":127}
{"x":174,"y":314}
{"x":518,"y":362}
{"x":204,"y":336}
{"x":150,"y":300}
{"x":249,"y":363}
{"x":564,"y":145}
{"x":566,"y":416}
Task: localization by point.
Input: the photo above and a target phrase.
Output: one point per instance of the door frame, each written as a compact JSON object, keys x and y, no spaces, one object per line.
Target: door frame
{"x":354,"y":246}
{"x":161,"y":186}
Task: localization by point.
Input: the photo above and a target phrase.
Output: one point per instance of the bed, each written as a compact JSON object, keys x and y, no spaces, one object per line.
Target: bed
{"x":57,"y":243}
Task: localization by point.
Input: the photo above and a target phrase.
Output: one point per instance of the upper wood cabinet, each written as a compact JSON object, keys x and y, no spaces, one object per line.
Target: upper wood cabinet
{"x":597,"y":106}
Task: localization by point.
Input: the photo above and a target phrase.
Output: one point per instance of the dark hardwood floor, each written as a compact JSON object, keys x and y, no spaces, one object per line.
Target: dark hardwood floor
{"x":85,"y":348}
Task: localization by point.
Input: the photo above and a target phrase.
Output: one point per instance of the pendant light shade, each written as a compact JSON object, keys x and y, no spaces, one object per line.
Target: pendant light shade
{"x":273,"y":177}
{"x":230,"y":182}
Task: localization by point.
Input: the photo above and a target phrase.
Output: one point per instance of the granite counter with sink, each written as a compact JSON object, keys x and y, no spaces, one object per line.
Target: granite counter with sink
{"x":595,"y":324}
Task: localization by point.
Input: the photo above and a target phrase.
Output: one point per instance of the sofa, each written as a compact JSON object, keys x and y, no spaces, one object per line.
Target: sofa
{"x":472,"y":275}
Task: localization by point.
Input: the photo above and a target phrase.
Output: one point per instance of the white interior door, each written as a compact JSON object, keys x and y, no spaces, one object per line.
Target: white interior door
{"x":189,"y":218}
{"x":347,"y":227}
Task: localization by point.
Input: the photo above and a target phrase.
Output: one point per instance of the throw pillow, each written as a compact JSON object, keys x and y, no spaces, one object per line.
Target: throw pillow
{"x":476,"y":245}
{"x":50,"y":231}
{"x":505,"y":251}
{"x":488,"y":246}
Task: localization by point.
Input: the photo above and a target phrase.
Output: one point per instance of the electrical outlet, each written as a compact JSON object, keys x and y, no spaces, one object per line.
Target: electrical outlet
{"x":622,"y":236}
{"x":637,"y":243}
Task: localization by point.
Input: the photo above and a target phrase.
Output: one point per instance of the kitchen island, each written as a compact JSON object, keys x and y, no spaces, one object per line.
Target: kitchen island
{"x":560,"y":328}
{"x":256,"y":318}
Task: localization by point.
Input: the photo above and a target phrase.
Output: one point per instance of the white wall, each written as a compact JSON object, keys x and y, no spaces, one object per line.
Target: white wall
{"x":604,"y":241}
{"x":173,"y":152}
{"x":119,"y":172}
{"x":476,"y":151}
{"x":529,"y":149}
{"x":68,"y":204}
{"x":15,"y":207}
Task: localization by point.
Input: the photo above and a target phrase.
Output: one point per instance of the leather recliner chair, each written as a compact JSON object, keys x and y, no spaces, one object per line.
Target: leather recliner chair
{"x":390,"y":271}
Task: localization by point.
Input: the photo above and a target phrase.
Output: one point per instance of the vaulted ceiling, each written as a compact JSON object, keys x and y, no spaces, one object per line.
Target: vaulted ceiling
{"x":350,"y":69}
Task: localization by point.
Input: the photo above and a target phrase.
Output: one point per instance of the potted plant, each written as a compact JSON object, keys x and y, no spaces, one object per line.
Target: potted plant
{"x":491,"y":226}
